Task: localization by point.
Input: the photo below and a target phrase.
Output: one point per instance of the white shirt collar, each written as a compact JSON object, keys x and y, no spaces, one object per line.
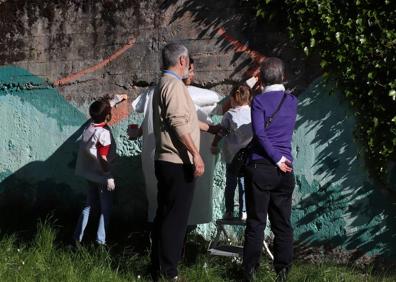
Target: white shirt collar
{"x":242,"y":107}
{"x":274,"y":87}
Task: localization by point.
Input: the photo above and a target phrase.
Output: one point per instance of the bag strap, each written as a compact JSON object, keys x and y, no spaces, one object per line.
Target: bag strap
{"x":269,"y":120}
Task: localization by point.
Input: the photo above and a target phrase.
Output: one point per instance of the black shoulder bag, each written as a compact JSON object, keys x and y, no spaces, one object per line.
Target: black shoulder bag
{"x":239,"y":161}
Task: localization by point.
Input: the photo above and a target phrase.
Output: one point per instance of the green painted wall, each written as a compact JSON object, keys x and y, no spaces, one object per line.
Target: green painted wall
{"x":335,"y":205}
{"x":38,"y":148}
{"x":39,"y":129}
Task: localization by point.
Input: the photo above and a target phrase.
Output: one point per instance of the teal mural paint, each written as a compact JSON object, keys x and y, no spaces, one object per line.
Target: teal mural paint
{"x":35,"y":91}
{"x":334,"y":205}
{"x":38,"y":148}
{"x":40,"y":130}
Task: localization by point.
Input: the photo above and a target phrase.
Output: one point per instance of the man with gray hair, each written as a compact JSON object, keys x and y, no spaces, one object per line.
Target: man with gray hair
{"x":177,"y":160}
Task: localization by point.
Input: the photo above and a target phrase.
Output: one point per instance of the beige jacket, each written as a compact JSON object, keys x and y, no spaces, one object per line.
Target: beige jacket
{"x":174,"y":115}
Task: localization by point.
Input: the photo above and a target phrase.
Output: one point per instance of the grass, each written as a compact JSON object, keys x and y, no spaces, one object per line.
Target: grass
{"x":43,"y":260}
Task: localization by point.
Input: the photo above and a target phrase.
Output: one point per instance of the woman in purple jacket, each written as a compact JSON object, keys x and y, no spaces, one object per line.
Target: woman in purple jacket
{"x":269,"y":174}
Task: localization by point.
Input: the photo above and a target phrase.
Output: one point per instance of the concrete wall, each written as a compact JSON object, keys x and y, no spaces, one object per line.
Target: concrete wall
{"x":54,"y":39}
{"x":42,"y":113}
{"x":335,"y":203}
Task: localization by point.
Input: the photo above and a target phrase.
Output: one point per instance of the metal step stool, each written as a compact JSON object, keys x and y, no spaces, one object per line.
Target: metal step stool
{"x":217,"y":248}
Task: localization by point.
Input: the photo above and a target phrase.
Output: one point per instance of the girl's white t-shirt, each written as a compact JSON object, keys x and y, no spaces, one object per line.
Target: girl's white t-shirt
{"x":237,"y":121}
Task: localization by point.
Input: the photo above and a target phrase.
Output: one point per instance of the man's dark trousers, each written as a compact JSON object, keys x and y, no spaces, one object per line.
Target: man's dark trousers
{"x":175,"y":195}
{"x":268,"y":190}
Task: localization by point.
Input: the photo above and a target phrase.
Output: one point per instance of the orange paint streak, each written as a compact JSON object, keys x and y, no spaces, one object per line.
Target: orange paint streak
{"x":100,"y":65}
{"x":241,"y":48}
{"x":120,"y":112}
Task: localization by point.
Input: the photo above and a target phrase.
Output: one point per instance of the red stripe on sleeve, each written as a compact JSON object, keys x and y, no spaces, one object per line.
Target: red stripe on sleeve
{"x":103,"y":150}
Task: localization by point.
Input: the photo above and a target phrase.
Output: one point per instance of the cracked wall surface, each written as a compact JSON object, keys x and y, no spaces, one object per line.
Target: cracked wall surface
{"x":54,"y":39}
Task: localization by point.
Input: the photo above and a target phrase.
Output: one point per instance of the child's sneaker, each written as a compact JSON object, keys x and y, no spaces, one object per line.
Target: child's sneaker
{"x":228,"y":215}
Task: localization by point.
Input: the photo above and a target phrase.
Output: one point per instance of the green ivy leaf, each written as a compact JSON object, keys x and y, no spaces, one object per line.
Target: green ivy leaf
{"x":375,"y":121}
{"x":313,"y":31}
{"x":312,"y":43}
{"x":392,"y":93}
{"x":338,"y":36}
{"x":356,"y":42}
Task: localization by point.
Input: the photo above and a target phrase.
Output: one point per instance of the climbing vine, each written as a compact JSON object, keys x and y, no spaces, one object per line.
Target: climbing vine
{"x":356,"y":42}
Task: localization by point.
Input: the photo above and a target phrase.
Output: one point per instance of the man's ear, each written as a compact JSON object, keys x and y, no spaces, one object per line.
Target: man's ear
{"x":183,"y":60}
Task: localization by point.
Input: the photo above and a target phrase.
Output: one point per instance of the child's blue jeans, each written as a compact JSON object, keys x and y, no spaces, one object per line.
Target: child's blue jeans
{"x":231,"y":182}
{"x":99,"y":199}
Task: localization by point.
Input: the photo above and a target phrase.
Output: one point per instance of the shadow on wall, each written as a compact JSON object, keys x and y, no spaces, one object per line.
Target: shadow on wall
{"x":41,"y":188}
{"x":256,"y":37}
{"x":208,"y":19}
{"x":335,"y":205}
{"x":37,"y":172}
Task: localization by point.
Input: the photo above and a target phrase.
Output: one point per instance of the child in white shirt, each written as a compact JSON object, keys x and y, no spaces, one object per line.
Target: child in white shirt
{"x":237,"y":133}
{"x":95,"y":155}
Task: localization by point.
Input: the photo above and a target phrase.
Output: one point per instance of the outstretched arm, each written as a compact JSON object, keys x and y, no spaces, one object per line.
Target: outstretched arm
{"x":210,"y":128}
{"x":117,"y":99}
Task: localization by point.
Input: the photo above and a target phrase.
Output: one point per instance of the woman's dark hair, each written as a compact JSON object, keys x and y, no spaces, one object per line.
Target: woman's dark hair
{"x":242,"y":95}
{"x":99,"y":110}
{"x":272,"y":71}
